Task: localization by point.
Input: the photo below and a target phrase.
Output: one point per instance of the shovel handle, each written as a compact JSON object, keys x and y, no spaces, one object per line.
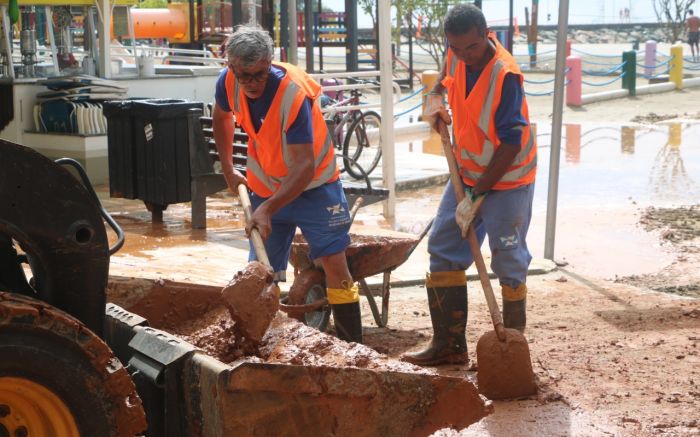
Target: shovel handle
{"x":255,"y":237}
{"x":471,"y":238}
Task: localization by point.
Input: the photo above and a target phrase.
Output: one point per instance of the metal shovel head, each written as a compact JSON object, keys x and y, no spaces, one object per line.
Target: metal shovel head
{"x":504,"y":367}
{"x":252,"y":299}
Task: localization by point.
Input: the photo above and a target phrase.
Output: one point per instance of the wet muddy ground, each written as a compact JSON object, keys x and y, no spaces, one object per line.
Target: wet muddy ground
{"x":614,"y":335}
{"x":611,"y":359}
{"x":678,"y":230}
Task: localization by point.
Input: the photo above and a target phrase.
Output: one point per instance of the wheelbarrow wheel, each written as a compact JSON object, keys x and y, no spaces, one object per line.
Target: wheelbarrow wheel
{"x":310,"y":286}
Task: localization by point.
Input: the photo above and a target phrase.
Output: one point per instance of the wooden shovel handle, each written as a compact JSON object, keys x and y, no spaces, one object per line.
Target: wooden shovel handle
{"x":473,"y":241}
{"x":255,"y":237}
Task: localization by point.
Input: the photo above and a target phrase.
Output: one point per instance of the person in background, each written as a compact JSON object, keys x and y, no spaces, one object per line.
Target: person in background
{"x":693,"y":25}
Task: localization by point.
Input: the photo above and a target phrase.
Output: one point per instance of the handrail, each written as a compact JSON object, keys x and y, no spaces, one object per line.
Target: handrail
{"x":206,"y":53}
{"x":371,"y":73}
{"x":194,"y":59}
{"x":355,"y":86}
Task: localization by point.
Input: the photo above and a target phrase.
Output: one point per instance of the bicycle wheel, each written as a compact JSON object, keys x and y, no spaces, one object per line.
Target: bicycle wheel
{"x":362,"y":144}
{"x":339,"y":128}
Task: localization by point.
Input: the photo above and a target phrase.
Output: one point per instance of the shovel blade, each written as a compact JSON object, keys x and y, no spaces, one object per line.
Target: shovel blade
{"x":252,"y":299}
{"x":504,"y":367}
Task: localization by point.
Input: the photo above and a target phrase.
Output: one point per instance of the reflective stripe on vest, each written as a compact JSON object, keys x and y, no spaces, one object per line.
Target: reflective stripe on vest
{"x":485,"y":117}
{"x":512,"y":175}
{"x":453,"y":66}
{"x":236,"y":93}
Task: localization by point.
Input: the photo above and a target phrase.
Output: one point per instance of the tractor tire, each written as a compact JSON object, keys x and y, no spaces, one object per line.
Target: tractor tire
{"x":58,"y":378}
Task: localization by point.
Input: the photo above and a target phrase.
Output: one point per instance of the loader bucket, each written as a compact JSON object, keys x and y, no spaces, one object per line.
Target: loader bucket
{"x":249,"y":396}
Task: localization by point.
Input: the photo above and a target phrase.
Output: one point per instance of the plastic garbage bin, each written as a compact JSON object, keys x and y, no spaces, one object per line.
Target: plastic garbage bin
{"x":148,"y":143}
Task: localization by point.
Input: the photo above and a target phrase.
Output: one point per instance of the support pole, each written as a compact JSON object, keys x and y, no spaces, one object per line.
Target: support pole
{"x":351,"y":43}
{"x":48,"y":10}
{"x":574,"y":76}
{"x":309,"y":35}
{"x":532,"y":34}
{"x":387,"y":126}
{"x":557,"y":117}
{"x":104,"y":10}
{"x":236,"y":13}
{"x":410,"y":49}
{"x":650,"y":58}
{"x":293,"y":55}
{"x":284,"y":31}
{"x":511,"y":29}
{"x":629,"y":80}
{"x":320,"y":39}
{"x":7,"y":39}
{"x":675,"y":75}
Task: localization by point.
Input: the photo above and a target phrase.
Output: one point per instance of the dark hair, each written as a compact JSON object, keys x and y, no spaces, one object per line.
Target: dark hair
{"x":690,"y":11}
{"x":462,"y":18}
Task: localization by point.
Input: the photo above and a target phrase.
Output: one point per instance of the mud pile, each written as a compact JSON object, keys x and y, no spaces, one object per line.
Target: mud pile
{"x":252,"y":299}
{"x":287,"y":341}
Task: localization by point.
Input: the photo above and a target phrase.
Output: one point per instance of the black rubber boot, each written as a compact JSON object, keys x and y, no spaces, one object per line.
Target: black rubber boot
{"x":348,"y":321}
{"x":448,"y":313}
{"x":514,"y":307}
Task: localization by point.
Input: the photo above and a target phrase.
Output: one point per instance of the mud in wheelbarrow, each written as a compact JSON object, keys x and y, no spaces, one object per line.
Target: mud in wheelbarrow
{"x":367,"y":255}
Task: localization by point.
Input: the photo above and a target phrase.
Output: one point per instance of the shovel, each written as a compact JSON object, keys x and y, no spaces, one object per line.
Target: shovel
{"x":252,"y":297}
{"x":503,"y":355}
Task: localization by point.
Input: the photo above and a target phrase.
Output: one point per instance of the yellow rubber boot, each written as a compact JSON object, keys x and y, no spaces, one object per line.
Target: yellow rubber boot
{"x":345,"y":304}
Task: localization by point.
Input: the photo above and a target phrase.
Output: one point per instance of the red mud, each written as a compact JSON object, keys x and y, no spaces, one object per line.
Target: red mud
{"x":505,"y":370}
{"x":291,"y":342}
{"x":367,"y":255}
{"x":287,"y":341}
{"x":252,"y":300}
{"x":165,"y":304}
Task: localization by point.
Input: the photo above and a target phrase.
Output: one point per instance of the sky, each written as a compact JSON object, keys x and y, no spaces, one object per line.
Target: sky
{"x":580,"y":12}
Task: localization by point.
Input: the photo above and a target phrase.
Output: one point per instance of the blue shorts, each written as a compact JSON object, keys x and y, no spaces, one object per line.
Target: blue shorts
{"x":504,"y":215}
{"x":323,"y":216}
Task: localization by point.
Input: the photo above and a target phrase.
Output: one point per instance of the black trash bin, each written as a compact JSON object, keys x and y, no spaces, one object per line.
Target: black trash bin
{"x":148,"y":146}
{"x":120,"y":149}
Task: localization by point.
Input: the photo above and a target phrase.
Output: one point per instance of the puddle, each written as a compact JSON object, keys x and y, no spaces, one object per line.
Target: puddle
{"x":608,"y":175}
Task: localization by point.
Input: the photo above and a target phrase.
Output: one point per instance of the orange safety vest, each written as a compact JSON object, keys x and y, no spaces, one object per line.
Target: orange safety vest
{"x":474,"y":120}
{"x":268,"y":157}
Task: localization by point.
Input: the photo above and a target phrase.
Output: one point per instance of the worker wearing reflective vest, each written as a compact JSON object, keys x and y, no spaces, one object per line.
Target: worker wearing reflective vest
{"x":497,"y":156}
{"x":291,"y":168}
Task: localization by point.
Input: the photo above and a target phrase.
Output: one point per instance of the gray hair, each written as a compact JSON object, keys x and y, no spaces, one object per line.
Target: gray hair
{"x":248,"y":45}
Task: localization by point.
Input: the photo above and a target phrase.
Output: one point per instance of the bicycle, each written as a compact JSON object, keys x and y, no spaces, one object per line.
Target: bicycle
{"x":355,"y":133}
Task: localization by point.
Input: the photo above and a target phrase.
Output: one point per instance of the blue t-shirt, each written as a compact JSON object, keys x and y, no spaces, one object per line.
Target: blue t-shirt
{"x":300,"y":132}
{"x":508,"y":115}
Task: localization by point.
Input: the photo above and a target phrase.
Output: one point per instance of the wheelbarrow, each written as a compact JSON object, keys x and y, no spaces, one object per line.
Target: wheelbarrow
{"x":367,"y":255}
